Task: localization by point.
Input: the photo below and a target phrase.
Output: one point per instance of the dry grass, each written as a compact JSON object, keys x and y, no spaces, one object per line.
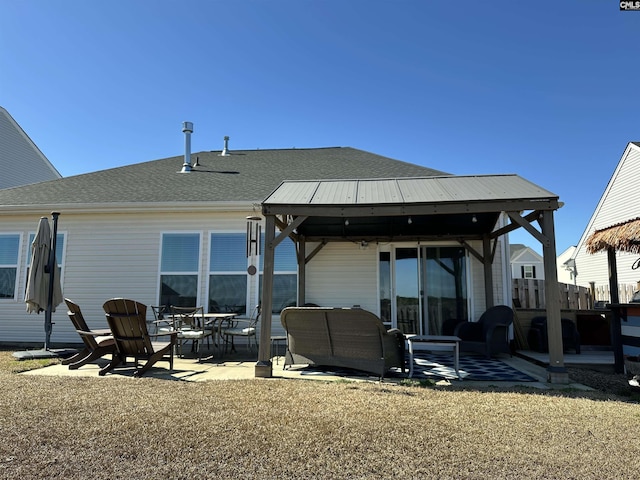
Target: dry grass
{"x":109,"y":428}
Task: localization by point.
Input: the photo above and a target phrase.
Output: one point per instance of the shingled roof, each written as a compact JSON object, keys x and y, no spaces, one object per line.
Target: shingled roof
{"x":246,"y":175}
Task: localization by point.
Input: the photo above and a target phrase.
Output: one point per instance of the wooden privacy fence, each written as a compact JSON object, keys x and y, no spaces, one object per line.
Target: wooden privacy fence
{"x":529,"y":293}
{"x":625,"y":292}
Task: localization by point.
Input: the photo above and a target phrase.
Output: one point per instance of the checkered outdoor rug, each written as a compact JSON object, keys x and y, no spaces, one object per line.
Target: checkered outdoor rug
{"x":471,"y":367}
{"x":434,"y":366}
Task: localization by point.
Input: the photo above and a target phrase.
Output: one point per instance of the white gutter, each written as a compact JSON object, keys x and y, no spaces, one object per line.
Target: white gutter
{"x":115,"y":207}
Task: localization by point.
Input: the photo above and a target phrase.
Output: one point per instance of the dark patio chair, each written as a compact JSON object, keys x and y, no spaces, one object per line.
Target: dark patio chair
{"x":97,"y":343}
{"x":538,"y":337}
{"x":489,"y":335}
{"x":128,"y":323}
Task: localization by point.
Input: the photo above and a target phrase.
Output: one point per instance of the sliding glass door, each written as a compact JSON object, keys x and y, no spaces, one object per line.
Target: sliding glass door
{"x":445,"y":286}
{"x":428,"y":286}
{"x":408,"y":288}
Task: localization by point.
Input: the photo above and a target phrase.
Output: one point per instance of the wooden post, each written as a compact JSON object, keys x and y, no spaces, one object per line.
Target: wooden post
{"x":301,"y":252}
{"x":616,"y":323}
{"x":488,"y":271}
{"x":264,"y":368}
{"x":556,"y":371}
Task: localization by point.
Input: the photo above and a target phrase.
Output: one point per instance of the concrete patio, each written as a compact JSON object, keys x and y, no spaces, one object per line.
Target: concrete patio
{"x":241,"y":366}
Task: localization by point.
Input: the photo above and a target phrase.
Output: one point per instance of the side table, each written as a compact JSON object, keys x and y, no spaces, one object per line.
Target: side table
{"x":434,"y":343}
{"x":275,"y":341}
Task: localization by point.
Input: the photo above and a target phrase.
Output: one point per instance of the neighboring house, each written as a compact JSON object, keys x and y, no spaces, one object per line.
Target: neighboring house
{"x":566,"y":266}
{"x":21,"y":161}
{"x":526,"y":262}
{"x":417,"y":246}
{"x":619,"y":203}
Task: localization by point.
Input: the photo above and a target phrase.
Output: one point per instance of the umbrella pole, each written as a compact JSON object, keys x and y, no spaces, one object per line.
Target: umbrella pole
{"x":52,"y":267}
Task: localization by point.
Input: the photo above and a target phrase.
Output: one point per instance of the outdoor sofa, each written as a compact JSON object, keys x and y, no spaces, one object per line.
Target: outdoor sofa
{"x":341,"y":337}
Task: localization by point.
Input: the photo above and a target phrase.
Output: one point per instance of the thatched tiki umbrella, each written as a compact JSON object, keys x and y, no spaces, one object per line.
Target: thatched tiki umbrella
{"x":44,"y":292}
{"x":621,"y":237}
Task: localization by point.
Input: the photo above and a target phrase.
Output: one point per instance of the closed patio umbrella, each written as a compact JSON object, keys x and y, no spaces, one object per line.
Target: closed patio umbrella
{"x":44,"y":292}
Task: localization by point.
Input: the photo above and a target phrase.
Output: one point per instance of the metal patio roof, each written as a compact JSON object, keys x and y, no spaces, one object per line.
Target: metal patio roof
{"x":426,"y":207}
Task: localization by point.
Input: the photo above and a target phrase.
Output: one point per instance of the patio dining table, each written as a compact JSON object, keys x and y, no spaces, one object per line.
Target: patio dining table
{"x":215,"y":320}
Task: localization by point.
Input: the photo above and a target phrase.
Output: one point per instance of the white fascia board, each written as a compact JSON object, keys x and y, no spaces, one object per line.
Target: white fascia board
{"x":129,"y":207}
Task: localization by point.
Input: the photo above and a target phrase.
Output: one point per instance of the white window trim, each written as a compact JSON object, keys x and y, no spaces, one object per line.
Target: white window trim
{"x":18,"y":266}
{"x":200,"y":260}
{"x":209,"y":273}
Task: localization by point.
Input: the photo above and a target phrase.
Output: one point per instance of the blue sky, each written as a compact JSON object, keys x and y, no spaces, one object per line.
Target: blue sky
{"x":547,"y":90}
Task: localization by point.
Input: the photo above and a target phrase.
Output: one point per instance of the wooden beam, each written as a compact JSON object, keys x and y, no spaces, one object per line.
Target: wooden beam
{"x":516,"y":218}
{"x":315,"y":251}
{"x":530,"y":217}
{"x":472,"y":250}
{"x":281,"y":223}
{"x":287,"y":231}
{"x":436,"y":208}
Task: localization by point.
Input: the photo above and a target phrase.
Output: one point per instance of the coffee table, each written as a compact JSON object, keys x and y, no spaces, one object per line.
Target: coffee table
{"x":434,"y":343}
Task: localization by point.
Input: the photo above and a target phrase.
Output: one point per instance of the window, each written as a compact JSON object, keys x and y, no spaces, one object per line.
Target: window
{"x":285,"y":274}
{"x":9,"y":250}
{"x":228,"y":273}
{"x":179,"y":265}
{"x":528,"y":271}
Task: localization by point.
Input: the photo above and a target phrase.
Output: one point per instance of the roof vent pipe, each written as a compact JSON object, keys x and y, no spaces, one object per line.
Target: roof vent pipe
{"x":187,"y":129}
{"x":225,"y":151}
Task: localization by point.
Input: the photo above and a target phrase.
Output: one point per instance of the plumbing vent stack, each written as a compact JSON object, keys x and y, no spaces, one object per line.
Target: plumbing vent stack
{"x":225,"y":151}
{"x":187,"y":128}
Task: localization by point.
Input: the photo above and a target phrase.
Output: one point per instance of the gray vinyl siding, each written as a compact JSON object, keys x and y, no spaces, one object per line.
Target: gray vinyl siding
{"x":21,"y":161}
{"x":620,"y":202}
{"x":107,"y":255}
{"x":117,"y":255}
{"x":343,"y":275}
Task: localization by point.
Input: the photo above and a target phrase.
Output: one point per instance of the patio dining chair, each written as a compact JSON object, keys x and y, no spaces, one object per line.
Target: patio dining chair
{"x":242,"y":327}
{"x":97,"y":343}
{"x":128,"y":323}
{"x":161,"y":316}
{"x":190,"y":325}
